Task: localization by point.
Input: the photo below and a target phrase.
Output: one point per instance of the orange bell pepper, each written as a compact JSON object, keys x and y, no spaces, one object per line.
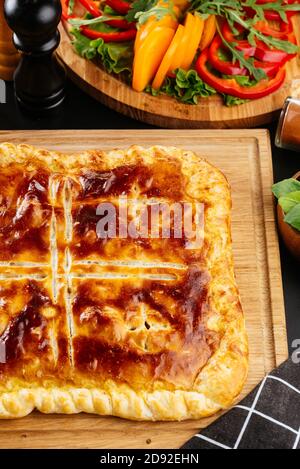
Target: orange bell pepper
{"x":210,"y":29}
{"x":167,"y":60}
{"x":184,"y":44}
{"x":197,"y":31}
{"x":149,"y":55}
{"x":167,"y":21}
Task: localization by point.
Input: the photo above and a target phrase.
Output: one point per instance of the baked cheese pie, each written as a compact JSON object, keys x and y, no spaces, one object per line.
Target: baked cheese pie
{"x":102,"y":312}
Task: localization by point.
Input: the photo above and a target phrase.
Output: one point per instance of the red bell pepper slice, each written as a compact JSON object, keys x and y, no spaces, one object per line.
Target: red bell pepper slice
{"x":231,"y":87}
{"x":285,"y":29}
{"x":120,"y":6}
{"x":274,"y":15}
{"x":65,"y":10}
{"x":271,"y":15}
{"x":96,"y":13}
{"x":91,"y":8}
{"x":264,"y":53}
{"x":241,"y":45}
{"x":122,"y":36}
{"x":261,"y":51}
{"x":229,"y":68}
{"x":223,"y":66}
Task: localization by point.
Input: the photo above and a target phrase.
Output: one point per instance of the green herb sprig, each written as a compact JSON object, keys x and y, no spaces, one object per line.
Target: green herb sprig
{"x":142,"y":10}
{"x":234,"y":12}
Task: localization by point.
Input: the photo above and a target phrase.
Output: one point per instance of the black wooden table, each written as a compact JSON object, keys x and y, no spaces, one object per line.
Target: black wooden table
{"x":81,"y":112}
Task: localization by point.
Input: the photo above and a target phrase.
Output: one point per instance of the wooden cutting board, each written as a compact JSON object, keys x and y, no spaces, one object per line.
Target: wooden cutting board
{"x":166,"y":112}
{"x":245,"y":157}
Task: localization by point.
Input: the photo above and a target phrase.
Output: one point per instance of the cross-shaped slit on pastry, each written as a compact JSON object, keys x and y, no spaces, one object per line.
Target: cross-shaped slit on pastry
{"x":108,"y":314}
{"x":137,"y":328}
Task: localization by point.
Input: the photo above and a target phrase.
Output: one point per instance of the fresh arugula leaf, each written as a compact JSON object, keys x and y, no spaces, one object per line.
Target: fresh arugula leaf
{"x":92,"y":22}
{"x":288,"y":202}
{"x":234,"y":12}
{"x":285,"y":187}
{"x":140,"y":6}
{"x":186,"y":87}
{"x":142,"y":10}
{"x":293,"y":217}
{"x":238,"y":56}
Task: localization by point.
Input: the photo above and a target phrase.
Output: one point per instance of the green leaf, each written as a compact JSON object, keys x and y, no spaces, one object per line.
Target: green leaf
{"x":285,"y":187}
{"x":234,"y":12}
{"x":92,"y":22}
{"x":241,"y":80}
{"x":83,"y":46}
{"x":115,"y":57}
{"x":139,"y":6}
{"x":293,"y":217}
{"x":186,"y":87}
{"x":233,"y":101}
{"x":288,"y":202}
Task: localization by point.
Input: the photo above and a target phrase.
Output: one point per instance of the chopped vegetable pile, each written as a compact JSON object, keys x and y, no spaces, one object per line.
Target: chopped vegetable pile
{"x":189,"y":49}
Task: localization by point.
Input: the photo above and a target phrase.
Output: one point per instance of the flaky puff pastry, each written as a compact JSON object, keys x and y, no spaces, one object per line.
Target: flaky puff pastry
{"x":143,"y":328}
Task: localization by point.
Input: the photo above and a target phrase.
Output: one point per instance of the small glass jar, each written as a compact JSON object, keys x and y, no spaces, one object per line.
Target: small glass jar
{"x":288,"y":131}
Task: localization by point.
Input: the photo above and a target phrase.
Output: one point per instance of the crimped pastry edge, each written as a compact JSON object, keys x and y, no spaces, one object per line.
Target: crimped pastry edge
{"x":217,"y":385}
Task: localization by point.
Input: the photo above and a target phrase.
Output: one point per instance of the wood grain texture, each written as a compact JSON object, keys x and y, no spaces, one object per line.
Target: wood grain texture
{"x":9,"y":57}
{"x":245,"y":158}
{"x":166,"y":112}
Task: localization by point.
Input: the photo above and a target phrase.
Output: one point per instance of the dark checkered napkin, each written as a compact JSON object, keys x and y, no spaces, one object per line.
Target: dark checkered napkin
{"x":269,"y":418}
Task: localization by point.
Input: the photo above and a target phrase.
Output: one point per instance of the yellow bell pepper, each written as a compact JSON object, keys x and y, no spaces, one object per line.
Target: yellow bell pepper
{"x":184,"y":44}
{"x":210,"y":29}
{"x":167,"y":21}
{"x":197,"y":31}
{"x":149,"y":55}
{"x":167,"y":60}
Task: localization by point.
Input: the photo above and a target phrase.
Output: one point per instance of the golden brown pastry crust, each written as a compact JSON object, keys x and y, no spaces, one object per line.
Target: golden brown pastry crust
{"x":145,"y":330}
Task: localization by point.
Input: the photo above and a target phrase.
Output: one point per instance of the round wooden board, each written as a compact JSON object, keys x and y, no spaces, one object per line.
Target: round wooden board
{"x":166,"y":112}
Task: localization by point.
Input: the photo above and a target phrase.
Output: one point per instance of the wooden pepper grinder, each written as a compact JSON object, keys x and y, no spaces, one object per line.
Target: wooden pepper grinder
{"x":9,"y":57}
{"x":39,"y":79}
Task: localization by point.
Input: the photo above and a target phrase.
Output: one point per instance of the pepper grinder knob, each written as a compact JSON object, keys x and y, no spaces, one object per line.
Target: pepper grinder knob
{"x":39,"y":79}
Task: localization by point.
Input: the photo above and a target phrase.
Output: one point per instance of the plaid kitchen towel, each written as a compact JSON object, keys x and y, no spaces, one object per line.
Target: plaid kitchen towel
{"x":269,"y":418}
